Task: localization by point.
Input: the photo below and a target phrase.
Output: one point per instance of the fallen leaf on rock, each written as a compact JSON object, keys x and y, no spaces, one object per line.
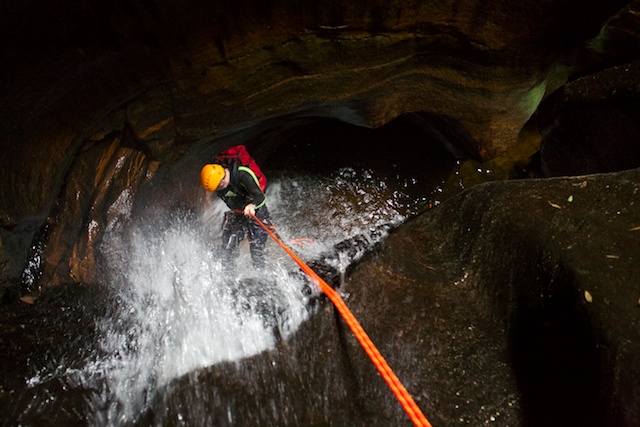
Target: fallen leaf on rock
{"x":554,"y":205}
{"x":635,"y":228}
{"x":588,"y":296}
{"x":570,"y":199}
{"x":613,"y":256}
{"x":27,"y":299}
{"x":583,"y":184}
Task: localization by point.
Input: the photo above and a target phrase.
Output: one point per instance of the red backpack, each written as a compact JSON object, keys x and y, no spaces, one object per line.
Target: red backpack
{"x":239,"y":154}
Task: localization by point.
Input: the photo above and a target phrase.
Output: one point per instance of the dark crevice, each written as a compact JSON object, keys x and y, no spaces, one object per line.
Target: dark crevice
{"x":556,"y":356}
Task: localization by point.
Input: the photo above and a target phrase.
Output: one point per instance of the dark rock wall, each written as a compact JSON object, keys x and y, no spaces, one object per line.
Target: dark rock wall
{"x":160,"y":76}
{"x":592,"y":124}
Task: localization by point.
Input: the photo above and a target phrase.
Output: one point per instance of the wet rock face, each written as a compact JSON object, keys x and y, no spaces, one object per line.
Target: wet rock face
{"x":478,"y":331}
{"x":575,"y":238}
{"x":592,"y":124}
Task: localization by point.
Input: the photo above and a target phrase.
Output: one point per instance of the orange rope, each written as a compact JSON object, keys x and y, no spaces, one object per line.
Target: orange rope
{"x":383,"y":367}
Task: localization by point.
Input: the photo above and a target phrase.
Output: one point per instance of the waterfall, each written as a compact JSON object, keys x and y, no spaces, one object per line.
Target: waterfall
{"x":171,"y":310}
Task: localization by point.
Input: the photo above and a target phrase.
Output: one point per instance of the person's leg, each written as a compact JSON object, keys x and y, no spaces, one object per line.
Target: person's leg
{"x":258,"y":237}
{"x":232,"y":235}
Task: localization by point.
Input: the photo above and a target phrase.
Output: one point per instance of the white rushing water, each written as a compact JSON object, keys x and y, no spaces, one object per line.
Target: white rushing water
{"x":172,"y":309}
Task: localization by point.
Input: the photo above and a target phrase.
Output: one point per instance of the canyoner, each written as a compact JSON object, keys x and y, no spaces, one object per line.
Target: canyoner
{"x":236,"y":178}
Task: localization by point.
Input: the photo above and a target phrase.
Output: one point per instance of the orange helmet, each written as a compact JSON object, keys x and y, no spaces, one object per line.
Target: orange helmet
{"x":210,"y":176}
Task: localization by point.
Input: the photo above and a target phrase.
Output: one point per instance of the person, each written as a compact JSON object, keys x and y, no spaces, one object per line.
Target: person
{"x":238,"y":187}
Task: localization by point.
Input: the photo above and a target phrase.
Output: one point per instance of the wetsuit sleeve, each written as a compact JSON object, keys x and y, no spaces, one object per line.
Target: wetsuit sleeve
{"x":252,"y":189}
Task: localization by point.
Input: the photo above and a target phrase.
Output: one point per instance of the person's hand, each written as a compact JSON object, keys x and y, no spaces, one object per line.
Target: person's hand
{"x":250,"y":209}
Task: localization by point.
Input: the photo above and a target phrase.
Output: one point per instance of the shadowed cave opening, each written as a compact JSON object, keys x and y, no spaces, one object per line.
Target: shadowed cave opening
{"x":417,"y":145}
{"x":415,"y":154}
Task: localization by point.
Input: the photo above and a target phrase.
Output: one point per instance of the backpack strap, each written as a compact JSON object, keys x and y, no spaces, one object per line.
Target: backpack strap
{"x":255,"y":178}
{"x":250,"y":172}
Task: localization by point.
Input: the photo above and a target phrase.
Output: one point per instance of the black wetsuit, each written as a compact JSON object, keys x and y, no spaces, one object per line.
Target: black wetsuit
{"x":241,"y":191}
